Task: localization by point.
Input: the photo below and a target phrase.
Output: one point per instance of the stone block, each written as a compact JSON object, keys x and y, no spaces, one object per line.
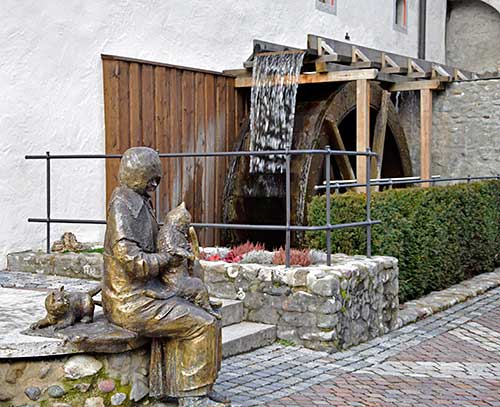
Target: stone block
{"x":299,"y":301}
{"x":326,"y":287}
{"x":299,"y":319}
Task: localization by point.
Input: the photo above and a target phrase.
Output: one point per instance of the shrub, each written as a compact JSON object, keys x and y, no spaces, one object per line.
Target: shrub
{"x":440,"y":235}
{"x":297,"y":257}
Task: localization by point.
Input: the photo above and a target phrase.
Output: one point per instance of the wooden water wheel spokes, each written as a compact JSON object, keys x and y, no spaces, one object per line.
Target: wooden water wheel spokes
{"x":344,"y":167}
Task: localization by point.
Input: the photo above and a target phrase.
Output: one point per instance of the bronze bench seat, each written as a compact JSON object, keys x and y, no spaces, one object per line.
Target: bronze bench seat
{"x":99,"y":336}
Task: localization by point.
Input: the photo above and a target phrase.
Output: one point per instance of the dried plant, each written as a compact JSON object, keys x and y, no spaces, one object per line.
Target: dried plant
{"x":242,"y":249}
{"x":297,"y":257}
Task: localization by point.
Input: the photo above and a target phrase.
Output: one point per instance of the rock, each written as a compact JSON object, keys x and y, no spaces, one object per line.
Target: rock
{"x":326,"y":287}
{"x":296,"y":277}
{"x":61,"y":405}
{"x":33,"y":392}
{"x":82,"y":387}
{"x":6,"y":395}
{"x":15,"y":372}
{"x":298,"y":302}
{"x":106,"y":386}
{"x":327,"y":321}
{"x":55,"y":391}
{"x":94,"y":402}
{"x":118,"y":399}
{"x":68,"y":242}
{"x":81,"y":366}
{"x":299,"y":319}
{"x":139,"y":389}
{"x":44,"y":371}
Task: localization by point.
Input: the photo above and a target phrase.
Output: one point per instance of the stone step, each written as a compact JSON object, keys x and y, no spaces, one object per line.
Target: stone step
{"x":246,"y":336}
{"x":232,"y":311}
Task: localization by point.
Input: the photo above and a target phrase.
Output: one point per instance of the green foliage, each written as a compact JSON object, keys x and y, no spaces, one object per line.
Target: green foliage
{"x":286,"y":342}
{"x":440,"y":235}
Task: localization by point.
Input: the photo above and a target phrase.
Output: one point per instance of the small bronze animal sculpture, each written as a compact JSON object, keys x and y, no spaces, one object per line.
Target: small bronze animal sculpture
{"x":65,"y":308}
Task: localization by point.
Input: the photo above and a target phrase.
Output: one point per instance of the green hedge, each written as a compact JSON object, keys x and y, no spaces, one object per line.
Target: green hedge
{"x":440,"y":235}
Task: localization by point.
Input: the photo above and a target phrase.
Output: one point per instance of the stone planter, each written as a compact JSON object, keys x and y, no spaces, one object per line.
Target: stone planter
{"x":320,"y":307}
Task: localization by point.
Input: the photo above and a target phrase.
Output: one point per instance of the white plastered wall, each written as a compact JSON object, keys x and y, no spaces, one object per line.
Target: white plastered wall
{"x":51,"y":76}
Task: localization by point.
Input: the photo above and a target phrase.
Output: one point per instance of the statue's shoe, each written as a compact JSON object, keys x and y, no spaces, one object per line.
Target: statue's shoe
{"x":215,"y":304}
{"x":220,"y":398}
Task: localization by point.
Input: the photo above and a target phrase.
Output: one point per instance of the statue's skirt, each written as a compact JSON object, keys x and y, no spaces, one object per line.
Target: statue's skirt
{"x":186,"y":351}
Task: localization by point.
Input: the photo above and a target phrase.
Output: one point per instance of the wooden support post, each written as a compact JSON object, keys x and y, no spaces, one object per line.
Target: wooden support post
{"x":425,"y":134}
{"x":362,"y":126}
{"x":343,"y":162}
{"x":379,"y":136}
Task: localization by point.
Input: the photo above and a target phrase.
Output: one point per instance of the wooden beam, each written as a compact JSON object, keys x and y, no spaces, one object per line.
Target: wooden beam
{"x":387,"y":59}
{"x":340,"y":76}
{"x":425,"y":134}
{"x":379,"y":135}
{"x":362,"y":126}
{"x":430,"y":84}
{"x":342,"y":161}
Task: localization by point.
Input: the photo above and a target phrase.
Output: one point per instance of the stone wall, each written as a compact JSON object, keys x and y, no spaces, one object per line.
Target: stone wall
{"x":78,"y":265}
{"x":81,"y":380}
{"x":465,"y":128}
{"x":320,"y":307}
{"x":471,"y":32}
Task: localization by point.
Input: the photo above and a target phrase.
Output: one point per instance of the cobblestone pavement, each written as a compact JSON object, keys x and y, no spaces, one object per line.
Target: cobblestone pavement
{"x":449,"y":359}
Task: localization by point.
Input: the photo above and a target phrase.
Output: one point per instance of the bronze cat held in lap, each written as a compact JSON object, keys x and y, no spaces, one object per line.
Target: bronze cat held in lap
{"x":65,"y":308}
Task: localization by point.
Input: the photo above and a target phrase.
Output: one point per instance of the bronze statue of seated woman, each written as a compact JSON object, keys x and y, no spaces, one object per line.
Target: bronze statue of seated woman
{"x":186,"y":339}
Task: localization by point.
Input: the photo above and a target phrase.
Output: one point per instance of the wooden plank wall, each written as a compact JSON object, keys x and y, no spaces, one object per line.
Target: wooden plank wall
{"x":174,"y":109}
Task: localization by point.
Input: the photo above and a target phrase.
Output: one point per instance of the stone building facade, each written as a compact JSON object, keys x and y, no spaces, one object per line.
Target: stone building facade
{"x":465,"y":128}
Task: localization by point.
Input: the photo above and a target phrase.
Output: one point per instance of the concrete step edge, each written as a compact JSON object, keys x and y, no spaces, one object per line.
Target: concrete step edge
{"x":246,"y":336}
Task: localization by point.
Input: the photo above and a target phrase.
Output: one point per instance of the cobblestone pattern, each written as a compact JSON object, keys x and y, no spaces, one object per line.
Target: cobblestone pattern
{"x":440,"y":300}
{"x":393,"y":370}
{"x":320,"y":307}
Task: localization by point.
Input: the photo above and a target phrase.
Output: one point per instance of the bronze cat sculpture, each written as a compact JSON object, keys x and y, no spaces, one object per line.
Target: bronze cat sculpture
{"x":65,"y":308}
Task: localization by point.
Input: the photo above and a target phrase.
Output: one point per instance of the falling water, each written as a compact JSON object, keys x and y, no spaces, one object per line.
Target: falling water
{"x":274,"y":89}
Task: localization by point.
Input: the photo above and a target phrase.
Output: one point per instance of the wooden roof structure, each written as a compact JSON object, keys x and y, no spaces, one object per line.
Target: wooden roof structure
{"x":327,"y":60}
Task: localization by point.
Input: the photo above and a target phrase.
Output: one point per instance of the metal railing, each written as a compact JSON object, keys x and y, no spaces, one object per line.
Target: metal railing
{"x":288,"y":228}
{"x":390,"y":182}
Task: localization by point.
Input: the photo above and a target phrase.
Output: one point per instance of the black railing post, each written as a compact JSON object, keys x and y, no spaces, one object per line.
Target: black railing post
{"x":328,"y":207}
{"x":288,"y":210}
{"x":368,"y":204}
{"x":48,"y":199}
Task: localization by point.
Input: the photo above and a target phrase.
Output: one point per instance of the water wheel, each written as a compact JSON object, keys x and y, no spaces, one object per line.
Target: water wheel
{"x":324,"y":116}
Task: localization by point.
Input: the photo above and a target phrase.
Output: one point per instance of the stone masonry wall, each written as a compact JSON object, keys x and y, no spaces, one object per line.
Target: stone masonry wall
{"x":320,"y":307}
{"x":81,"y":380}
{"x":465,"y":128}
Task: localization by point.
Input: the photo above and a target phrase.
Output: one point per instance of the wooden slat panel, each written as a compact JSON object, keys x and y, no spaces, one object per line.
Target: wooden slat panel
{"x":111,"y":121}
{"x":210,"y":175}
{"x":148,"y":106}
{"x":188,"y":137}
{"x":199,"y":98}
{"x":175,"y":176}
{"x":161,"y":130}
{"x":135,"y":85}
{"x":220,"y":135}
{"x":173,"y":109}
